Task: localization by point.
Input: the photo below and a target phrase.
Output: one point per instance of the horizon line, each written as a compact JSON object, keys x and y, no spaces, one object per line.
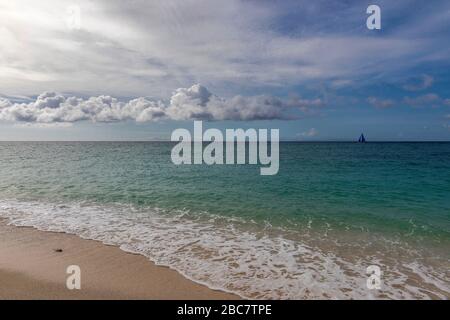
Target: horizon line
{"x":290,"y":141}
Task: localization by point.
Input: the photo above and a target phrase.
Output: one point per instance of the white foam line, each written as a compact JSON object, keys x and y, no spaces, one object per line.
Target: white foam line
{"x":216,"y":252}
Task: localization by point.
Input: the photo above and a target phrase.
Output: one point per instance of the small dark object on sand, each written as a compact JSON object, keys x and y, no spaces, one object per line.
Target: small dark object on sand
{"x":58,"y":250}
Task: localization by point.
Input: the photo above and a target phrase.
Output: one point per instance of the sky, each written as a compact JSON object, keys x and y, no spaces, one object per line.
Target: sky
{"x":136,"y":70}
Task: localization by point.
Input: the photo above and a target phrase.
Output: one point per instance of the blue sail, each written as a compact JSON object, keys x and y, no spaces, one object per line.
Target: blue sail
{"x":362,"y":139}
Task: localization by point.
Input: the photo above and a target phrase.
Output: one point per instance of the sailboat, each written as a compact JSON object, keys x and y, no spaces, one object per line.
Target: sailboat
{"x":361,"y":138}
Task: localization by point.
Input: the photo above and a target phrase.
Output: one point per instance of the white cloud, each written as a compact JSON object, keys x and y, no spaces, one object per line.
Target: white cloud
{"x":150,"y":47}
{"x":196,"y":102}
{"x":44,"y":125}
{"x":426,"y":100}
{"x":381,"y":103}
{"x":423,"y":82}
{"x":310,"y":133}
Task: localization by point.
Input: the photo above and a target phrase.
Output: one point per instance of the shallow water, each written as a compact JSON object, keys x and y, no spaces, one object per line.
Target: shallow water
{"x":309,"y":232}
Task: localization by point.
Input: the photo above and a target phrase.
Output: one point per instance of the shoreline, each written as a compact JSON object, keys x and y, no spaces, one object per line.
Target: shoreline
{"x":32,"y":267}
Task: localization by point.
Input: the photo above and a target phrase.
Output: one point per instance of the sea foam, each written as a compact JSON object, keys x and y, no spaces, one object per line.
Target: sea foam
{"x":227,"y":254}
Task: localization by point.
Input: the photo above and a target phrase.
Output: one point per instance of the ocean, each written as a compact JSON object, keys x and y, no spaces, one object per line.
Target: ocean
{"x":309,"y":232}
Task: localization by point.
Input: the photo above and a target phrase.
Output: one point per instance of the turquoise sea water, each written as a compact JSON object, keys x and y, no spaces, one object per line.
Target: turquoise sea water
{"x":308,"y":232}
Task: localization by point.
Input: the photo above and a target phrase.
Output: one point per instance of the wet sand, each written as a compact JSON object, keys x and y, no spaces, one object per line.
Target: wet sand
{"x":32,"y":266}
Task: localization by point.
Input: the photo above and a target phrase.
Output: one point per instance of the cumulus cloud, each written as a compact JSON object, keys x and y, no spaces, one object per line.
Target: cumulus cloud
{"x":194,"y":103}
{"x":50,"y":107}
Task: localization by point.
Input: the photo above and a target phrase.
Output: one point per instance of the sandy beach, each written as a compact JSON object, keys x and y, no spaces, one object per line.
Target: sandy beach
{"x":32,"y":266}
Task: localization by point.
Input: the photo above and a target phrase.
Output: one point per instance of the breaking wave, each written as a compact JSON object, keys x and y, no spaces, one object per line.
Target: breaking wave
{"x":232,"y":254}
